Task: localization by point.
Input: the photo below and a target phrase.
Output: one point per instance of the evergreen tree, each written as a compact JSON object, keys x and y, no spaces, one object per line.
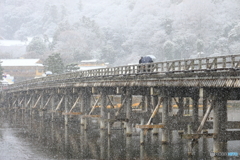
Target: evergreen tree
{"x":72,"y":67}
{"x":54,"y":64}
{"x":1,"y":70}
{"x":37,"y":46}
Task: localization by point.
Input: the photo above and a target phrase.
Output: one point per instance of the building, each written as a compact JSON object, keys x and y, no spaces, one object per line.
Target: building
{"x":23,"y":69}
{"x":92,"y":64}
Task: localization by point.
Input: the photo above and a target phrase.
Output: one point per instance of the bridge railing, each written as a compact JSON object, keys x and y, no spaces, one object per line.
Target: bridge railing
{"x":185,"y":65}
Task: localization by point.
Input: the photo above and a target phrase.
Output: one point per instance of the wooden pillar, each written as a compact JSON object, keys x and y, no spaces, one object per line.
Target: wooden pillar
{"x":144,"y":103}
{"x":52,"y":105}
{"x":170,"y":107}
{"x":41,"y":113}
{"x":128,"y":112}
{"x":82,"y":106}
{"x":85,"y":105}
{"x":103,"y":143}
{"x":155,"y":131}
{"x":180,"y":107}
{"x":204,"y":102}
{"x":148,"y":97}
{"x":66,"y":104}
{"x":220,"y":121}
{"x":24,"y":109}
{"x":32,"y":104}
{"x":186,"y":106}
{"x":165,"y":118}
{"x":103,"y":109}
{"x":195,"y":107}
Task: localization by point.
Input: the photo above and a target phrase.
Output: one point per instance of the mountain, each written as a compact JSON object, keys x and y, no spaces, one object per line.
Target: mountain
{"x":121,"y":31}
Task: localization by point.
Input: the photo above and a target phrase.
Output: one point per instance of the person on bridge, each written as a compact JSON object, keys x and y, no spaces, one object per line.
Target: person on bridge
{"x":140,"y":60}
{"x":146,"y":59}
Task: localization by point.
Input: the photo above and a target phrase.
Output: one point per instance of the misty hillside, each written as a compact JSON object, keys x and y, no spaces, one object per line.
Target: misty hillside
{"x":120,"y":31}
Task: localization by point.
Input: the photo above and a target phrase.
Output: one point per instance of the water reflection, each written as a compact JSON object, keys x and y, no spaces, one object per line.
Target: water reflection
{"x":59,"y":141}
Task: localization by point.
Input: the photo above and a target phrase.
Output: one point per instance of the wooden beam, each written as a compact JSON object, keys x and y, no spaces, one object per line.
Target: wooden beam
{"x":110,"y":101}
{"x":72,"y":113}
{"x":120,"y":107}
{"x":47,"y":102}
{"x":91,"y":116}
{"x":155,"y":111}
{"x":197,"y":136}
{"x":21,"y":101}
{"x":233,"y":125}
{"x":59,"y":104}
{"x":204,"y":119}
{"x":74,"y":105}
{"x":150,"y":126}
{"x":94,"y":106}
{"x":28,"y":101}
{"x":14,"y":102}
{"x":35,"y":105}
{"x":233,"y":135}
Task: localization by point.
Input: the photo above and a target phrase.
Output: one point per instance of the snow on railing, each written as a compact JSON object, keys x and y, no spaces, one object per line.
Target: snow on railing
{"x":185,"y":65}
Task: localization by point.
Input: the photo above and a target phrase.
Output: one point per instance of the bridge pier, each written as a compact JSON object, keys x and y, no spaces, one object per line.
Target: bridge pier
{"x":195,"y":107}
{"x":66,"y":105}
{"x":155,"y":99}
{"x":103,"y":112}
{"x":128,"y":112}
{"x":52,"y":103}
{"x":165,"y":119}
{"x":220,"y":121}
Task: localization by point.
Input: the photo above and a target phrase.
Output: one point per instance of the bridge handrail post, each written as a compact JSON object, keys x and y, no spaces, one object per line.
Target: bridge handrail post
{"x":207,"y":63}
{"x":179,"y":66}
{"x":224,"y":62}
{"x":199,"y":64}
{"x":233,"y":61}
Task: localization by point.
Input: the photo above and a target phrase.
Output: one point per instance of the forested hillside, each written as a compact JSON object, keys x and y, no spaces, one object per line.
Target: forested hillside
{"x":120,"y":31}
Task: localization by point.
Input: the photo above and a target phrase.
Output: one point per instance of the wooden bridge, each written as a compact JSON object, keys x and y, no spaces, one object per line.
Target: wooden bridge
{"x":142,"y":96}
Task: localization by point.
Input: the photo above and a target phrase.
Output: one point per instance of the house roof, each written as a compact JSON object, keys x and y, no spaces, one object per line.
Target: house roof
{"x":20,"y":62}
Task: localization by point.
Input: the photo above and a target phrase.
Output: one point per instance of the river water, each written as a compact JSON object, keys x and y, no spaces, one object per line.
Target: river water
{"x":25,"y":138}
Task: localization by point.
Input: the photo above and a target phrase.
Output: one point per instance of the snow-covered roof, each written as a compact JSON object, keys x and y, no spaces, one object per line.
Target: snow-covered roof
{"x":12,"y":43}
{"x":20,"y":62}
{"x":91,"y":60}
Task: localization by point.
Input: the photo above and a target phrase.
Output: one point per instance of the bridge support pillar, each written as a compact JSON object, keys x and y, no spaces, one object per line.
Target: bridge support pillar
{"x":66,"y":104}
{"x":155,"y":131}
{"x":128,"y":112}
{"x":195,"y":99}
{"x":165,"y":118}
{"x":41,"y":113}
{"x":186,"y":106}
{"x":82,"y":108}
{"x":205,"y":99}
{"x":32,"y":113}
{"x":85,"y":105}
{"x":103,"y":109}
{"x":52,"y":103}
{"x":220,"y":121}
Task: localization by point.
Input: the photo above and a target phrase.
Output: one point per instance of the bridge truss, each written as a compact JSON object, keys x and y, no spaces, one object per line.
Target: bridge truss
{"x":142,"y":96}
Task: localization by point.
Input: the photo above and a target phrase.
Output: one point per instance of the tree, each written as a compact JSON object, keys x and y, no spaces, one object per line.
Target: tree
{"x":108,"y":54}
{"x":37,"y":46}
{"x":54,"y":64}
{"x":1,"y":70}
{"x":72,"y":67}
{"x":169,"y":50}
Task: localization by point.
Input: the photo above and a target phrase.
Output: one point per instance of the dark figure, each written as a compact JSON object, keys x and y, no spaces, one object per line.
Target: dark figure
{"x":145,"y":68}
{"x":141,"y":60}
